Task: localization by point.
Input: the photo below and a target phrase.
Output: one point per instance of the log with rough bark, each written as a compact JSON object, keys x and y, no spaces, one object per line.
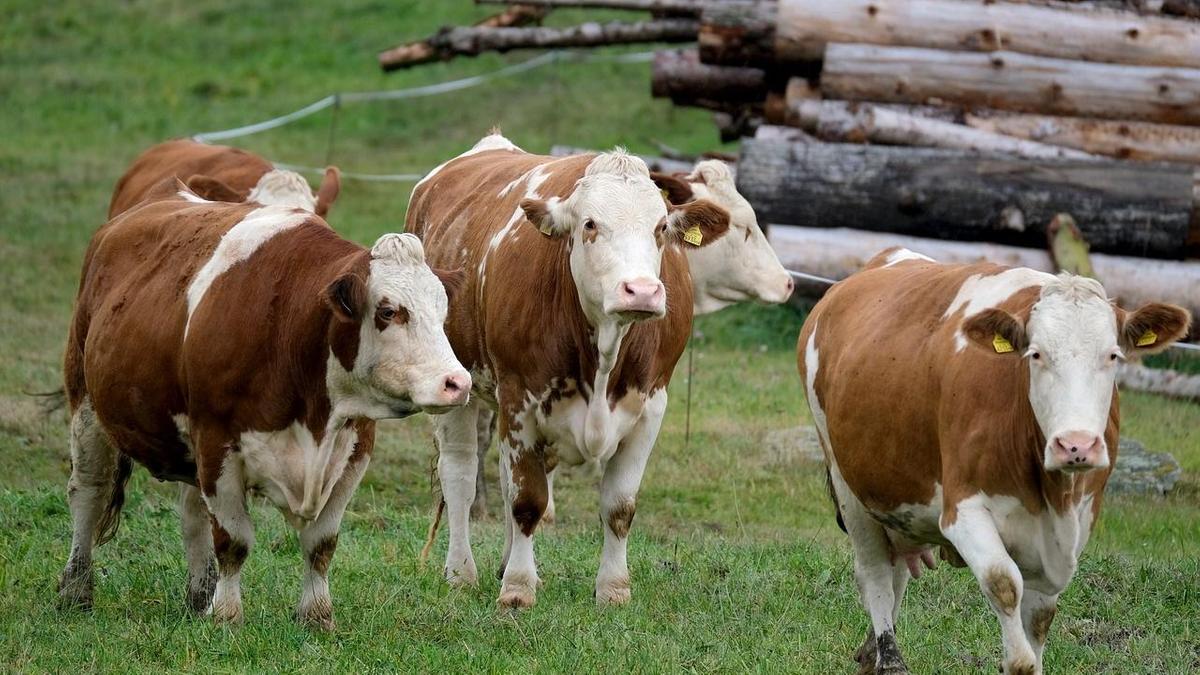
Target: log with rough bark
{"x":1165,"y":382}
{"x":838,"y":253}
{"x":804,"y":27}
{"x":691,"y":6}
{"x":1133,"y":209}
{"x":740,"y":33}
{"x":475,"y":40}
{"x":423,"y":51}
{"x":843,"y":122}
{"x":679,"y":76}
{"x":1124,"y":139}
{"x":1011,"y":81}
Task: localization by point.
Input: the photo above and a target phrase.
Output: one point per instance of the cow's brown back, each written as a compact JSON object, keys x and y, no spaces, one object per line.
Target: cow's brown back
{"x":183,"y":159}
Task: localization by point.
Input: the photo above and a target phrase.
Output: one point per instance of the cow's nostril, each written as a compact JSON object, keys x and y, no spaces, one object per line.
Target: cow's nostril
{"x":452,"y":384}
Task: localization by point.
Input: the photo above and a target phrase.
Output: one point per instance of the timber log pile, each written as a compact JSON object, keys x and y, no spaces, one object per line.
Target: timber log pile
{"x":921,"y":120}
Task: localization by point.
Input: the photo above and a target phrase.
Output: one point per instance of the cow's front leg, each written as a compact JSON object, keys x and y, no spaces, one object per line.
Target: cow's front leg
{"x":457,"y":445}
{"x":976,"y":539}
{"x":526,"y":496}
{"x":223,"y":485}
{"x":1037,"y":613}
{"x":196,"y":526}
{"x":618,"y":500}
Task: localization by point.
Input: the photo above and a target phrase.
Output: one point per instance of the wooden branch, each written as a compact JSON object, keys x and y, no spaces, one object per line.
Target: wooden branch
{"x":1141,"y":209}
{"x":739,"y":33}
{"x":679,"y":76}
{"x":844,"y":122}
{"x":805,"y":26}
{"x":1127,"y":140}
{"x":836,"y":253}
{"x":1165,"y":382}
{"x":1011,"y":81}
{"x":459,"y":41}
{"x":690,"y":6}
{"x":424,"y":51}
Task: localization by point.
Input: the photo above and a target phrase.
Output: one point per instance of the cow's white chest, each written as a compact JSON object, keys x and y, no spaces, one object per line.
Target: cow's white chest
{"x":565,"y":422}
{"x":1046,"y":546}
{"x":292,"y":469}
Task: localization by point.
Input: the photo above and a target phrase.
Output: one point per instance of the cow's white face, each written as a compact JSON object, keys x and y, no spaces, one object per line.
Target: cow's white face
{"x":741,"y":266}
{"x":1073,"y":343}
{"x":618,"y":224}
{"x":403,"y":357}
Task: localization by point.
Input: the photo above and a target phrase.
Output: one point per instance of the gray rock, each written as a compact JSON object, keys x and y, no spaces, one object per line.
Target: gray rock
{"x":793,"y":446}
{"x":1139,"y":471}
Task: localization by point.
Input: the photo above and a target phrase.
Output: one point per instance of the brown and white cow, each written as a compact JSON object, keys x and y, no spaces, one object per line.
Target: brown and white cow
{"x":242,"y":348}
{"x":576,"y":307}
{"x":221,"y":173}
{"x":972,"y":408}
{"x":739,"y":267}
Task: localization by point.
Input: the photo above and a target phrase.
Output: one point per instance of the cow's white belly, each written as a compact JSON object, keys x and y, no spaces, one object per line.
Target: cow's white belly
{"x":563,"y":426}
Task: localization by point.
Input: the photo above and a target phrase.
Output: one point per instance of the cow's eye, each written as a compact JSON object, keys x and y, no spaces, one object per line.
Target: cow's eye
{"x":589,"y":225}
{"x":387,"y":314}
{"x":1114,"y":356}
{"x":1036,"y":356}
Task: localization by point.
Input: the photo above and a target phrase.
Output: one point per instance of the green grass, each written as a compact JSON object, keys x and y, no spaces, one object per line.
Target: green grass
{"x":737,"y":563}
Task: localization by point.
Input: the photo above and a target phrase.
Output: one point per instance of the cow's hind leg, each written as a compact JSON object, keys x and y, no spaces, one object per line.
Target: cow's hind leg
{"x":95,"y":493}
{"x":319,"y":540}
{"x":485,"y":430}
{"x":876,"y":575}
{"x":196,"y":525}
{"x":976,"y":539}
{"x":458,"y":447}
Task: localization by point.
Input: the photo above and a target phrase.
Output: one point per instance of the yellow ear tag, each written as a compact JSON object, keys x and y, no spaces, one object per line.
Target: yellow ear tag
{"x":693,"y":235}
{"x":665,"y":196}
{"x":1148,"y":338}
{"x":1001,"y":345}
{"x":546,"y":229}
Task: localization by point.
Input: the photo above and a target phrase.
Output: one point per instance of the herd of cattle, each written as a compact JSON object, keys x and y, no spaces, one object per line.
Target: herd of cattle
{"x":225,"y":337}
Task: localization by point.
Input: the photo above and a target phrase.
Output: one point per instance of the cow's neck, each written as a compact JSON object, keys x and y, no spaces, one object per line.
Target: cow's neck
{"x":597,"y":433}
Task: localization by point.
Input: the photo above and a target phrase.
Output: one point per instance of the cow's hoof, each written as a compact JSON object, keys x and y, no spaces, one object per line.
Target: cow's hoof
{"x":517,"y":596}
{"x":200,"y":590}
{"x":1020,"y":668}
{"x":463,"y":578}
{"x":613,"y":593}
{"x":227,"y":612}
{"x":891,"y":669}
{"x":75,"y":592}
{"x":320,"y":621}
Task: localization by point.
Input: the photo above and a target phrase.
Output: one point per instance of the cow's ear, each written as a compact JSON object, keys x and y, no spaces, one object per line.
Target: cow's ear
{"x":1152,"y":328}
{"x":698,"y":223}
{"x":346,"y":297}
{"x":675,"y":189}
{"x":213,"y":190}
{"x":547,"y":216}
{"x":331,"y":185}
{"x":452,"y":280}
{"x":997,"y":331}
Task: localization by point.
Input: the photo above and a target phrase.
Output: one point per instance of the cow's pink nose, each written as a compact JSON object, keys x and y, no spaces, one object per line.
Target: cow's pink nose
{"x":455,"y":388}
{"x":791,"y":286}
{"x":642,"y":295}
{"x":1079,"y":450}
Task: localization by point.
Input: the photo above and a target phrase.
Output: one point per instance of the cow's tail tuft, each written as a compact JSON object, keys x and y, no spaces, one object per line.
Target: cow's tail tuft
{"x":106,"y":528}
{"x":423,"y":557}
{"x":833,"y":497}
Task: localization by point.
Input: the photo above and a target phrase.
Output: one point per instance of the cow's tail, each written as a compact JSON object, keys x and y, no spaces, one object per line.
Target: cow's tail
{"x":106,"y":528}
{"x":833,"y":497}
{"x":430,"y":536}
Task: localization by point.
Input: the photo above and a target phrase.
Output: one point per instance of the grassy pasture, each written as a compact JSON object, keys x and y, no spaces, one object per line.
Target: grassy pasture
{"x":737,"y":563}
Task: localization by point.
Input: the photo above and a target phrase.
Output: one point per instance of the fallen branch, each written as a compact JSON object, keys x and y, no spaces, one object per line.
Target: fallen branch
{"x":414,"y":53}
{"x":693,"y":6}
{"x":459,"y":41}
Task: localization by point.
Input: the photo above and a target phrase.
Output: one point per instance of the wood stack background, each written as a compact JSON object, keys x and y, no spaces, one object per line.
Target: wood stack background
{"x":968,"y":120}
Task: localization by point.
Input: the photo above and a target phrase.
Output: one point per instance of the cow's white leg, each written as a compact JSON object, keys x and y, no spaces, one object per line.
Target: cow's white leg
{"x":876,"y":576}
{"x":319,"y":540}
{"x":458,"y":457}
{"x":485,"y":427}
{"x":94,"y":471}
{"x":232,"y":529}
{"x":196,"y":526}
{"x":1037,"y":613}
{"x":505,"y":500}
{"x":618,"y":500}
{"x":526,"y":504}
{"x":976,"y":539}
{"x":549,"y":516}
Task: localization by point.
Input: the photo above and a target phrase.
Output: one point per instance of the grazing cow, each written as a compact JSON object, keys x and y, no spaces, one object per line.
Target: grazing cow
{"x":738,"y":267}
{"x":242,"y":348}
{"x":223,"y":174}
{"x":576,"y":307}
{"x":971,"y":408}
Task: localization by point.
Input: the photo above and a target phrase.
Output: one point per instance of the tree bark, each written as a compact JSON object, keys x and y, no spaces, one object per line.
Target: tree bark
{"x":691,"y":6}
{"x":1132,"y":209}
{"x":1127,"y":140}
{"x":740,"y":33}
{"x":838,"y":253}
{"x":804,"y":27}
{"x":1011,"y":81}
{"x":1165,"y":382}
{"x":842,"y":122}
{"x":679,"y":76}
{"x":472,"y":41}
{"x":423,"y":51}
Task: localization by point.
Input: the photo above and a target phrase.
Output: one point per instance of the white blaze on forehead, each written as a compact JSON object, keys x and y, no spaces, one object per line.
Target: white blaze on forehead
{"x":238,"y":244}
{"x":980,"y":292}
{"x":283,"y":188}
{"x":900,"y":255}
